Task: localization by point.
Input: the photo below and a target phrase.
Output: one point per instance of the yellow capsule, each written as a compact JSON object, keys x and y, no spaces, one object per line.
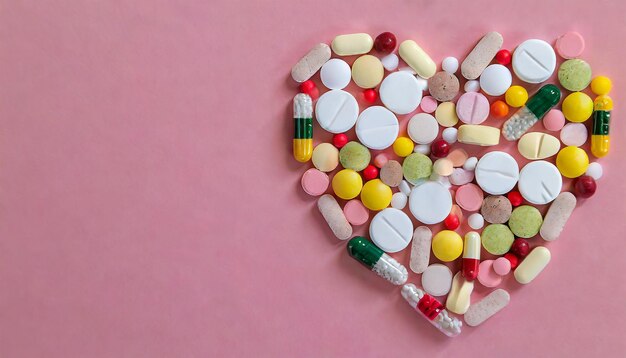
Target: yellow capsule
{"x":600,"y":140}
{"x":302,"y":149}
{"x":303,"y":123}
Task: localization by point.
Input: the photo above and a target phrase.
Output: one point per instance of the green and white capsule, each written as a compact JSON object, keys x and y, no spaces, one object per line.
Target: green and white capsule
{"x":536,"y":107}
{"x":371,"y":256}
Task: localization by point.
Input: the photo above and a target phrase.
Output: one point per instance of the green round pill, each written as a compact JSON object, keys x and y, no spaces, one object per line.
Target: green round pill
{"x":575,"y":75}
{"x":497,"y":239}
{"x":417,"y":167}
{"x":525,"y":221}
{"x":355,"y":156}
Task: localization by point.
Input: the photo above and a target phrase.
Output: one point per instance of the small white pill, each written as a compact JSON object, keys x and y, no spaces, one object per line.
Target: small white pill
{"x":450,"y":64}
{"x":422,"y":148}
{"x":594,"y":170}
{"x":470,"y":163}
{"x":472,"y":86}
{"x":450,"y":135}
{"x":422,"y":83}
{"x":476,"y":221}
{"x":399,"y":200}
{"x":495,"y":80}
{"x":335,"y":74}
{"x":405,"y":187}
{"x":390,"y":62}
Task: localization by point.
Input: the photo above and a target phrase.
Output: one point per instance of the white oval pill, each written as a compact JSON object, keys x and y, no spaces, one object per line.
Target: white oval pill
{"x":437,"y":280}
{"x":430,"y":202}
{"x":400,"y":92}
{"x":497,"y":173}
{"x":574,"y":134}
{"x":482,"y":310}
{"x":335,"y":74}
{"x":534,"y":61}
{"x":423,"y":128}
{"x":390,"y":62}
{"x":540,"y":182}
{"x":336,"y":111}
{"x":377,"y":128}
{"x":495,"y":80}
{"x":399,"y":200}
{"x":391,"y":230}
{"x":532,"y":265}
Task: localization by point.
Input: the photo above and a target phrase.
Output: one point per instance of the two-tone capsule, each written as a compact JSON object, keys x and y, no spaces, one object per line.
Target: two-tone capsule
{"x":536,"y":107}
{"x":600,"y":141}
{"x":371,"y":256}
{"x":303,"y":120}
{"x":432,"y":310}
{"x":471,"y":255}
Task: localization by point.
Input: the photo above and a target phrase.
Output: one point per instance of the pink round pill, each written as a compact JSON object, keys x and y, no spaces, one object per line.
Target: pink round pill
{"x":428,"y":104}
{"x":502,"y":266}
{"x":356,"y":213}
{"x":487,"y":276}
{"x":574,"y":134}
{"x":314,"y":182}
{"x":554,"y":120}
{"x":472,"y":108}
{"x":469,"y":197}
{"x":380,"y":160}
{"x":570,"y":45}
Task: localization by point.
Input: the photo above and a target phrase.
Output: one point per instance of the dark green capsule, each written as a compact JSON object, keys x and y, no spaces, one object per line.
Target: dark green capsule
{"x":601,"y":121}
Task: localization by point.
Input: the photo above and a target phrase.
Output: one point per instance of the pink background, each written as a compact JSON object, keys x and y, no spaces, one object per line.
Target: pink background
{"x":150,"y":206}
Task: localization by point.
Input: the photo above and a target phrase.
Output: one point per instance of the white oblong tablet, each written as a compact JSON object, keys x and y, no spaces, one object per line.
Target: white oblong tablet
{"x":534,"y":61}
{"x":482,"y":310}
{"x":391,"y":230}
{"x":377,"y":128}
{"x":335,"y":74}
{"x":400,"y":92}
{"x":430,"y":202}
{"x":423,"y":128}
{"x":336,"y":111}
{"x":495,"y":80}
{"x":557,"y":216}
{"x":497,"y":173}
{"x":532,"y":265}
{"x":437,"y":280}
{"x":540,"y":182}
{"x":420,"y":249}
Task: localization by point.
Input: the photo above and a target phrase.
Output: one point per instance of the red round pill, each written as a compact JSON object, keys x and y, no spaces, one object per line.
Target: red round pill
{"x":451,"y":222}
{"x":340,"y":139}
{"x":503,"y":57}
{"x":439,"y":148}
{"x":370,"y":95}
{"x":307,"y":86}
{"x":512,"y":259}
{"x":385,"y":42}
{"x":520,"y":248}
{"x":515,"y":198}
{"x":371,"y":172}
{"x":585,"y":187}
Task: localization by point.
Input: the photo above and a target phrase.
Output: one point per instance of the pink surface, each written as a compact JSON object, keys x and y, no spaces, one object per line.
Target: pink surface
{"x":150,"y":205}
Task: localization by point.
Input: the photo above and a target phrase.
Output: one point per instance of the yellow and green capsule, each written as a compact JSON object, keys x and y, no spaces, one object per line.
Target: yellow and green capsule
{"x":600,"y":141}
{"x":303,"y":119}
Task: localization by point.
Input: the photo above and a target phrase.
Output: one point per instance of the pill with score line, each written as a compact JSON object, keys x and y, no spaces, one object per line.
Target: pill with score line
{"x":534,"y":61}
{"x":391,"y":230}
{"x":336,"y":111}
{"x":540,"y":182}
{"x":377,"y":127}
{"x":497,"y":173}
{"x":472,"y":108}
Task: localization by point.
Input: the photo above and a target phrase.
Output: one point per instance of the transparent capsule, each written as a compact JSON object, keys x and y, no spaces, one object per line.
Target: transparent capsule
{"x":432,"y":310}
{"x":536,"y":107}
{"x":371,"y":256}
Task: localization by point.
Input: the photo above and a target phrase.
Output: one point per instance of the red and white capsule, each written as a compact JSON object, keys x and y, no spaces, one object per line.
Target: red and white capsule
{"x":471,"y":255}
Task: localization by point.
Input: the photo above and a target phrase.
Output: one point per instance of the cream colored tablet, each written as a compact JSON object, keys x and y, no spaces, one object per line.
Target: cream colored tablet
{"x":367,"y":71}
{"x":487,"y":307}
{"x":420,"y":249}
{"x":310,"y":63}
{"x":537,"y":145}
{"x":419,"y":60}
{"x":446,"y":114}
{"x":352,"y":44}
{"x":557,"y":216}
{"x":532,"y":265}
{"x":459,"y":297}
{"x":334,"y":216}
{"x":478,"y":135}
{"x":482,"y":54}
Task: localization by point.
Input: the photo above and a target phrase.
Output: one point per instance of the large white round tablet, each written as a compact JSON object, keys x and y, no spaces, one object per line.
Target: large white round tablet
{"x":534,"y":61}
{"x":437,"y":280}
{"x":336,"y":111}
{"x":423,"y":128}
{"x":335,"y":74}
{"x":430,"y":202}
{"x":400,"y":92}
{"x":391,"y":230}
{"x":377,"y":128}
{"x":540,"y":182}
{"x":497,"y":173}
{"x":495,"y":80}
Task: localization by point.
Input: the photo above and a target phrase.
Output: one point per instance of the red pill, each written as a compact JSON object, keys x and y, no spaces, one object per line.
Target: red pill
{"x":439,"y":148}
{"x":520,"y":248}
{"x":385,"y":42}
{"x":585,"y":187}
{"x":371,"y":172}
{"x":451,"y":222}
{"x":307,"y":86}
{"x":340,"y":139}
{"x":515,"y":198}
{"x":512,"y":259}
{"x":499,"y":109}
{"x":314,"y":93}
{"x":370,"y":95}
{"x":503,"y":57}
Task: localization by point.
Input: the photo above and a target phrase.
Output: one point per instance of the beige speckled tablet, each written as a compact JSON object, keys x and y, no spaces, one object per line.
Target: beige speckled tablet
{"x":420,"y":249}
{"x":334,"y":216}
{"x":478,"y":135}
{"x":391,"y":173}
{"x":557,"y":216}
{"x":459,"y":297}
{"x":443,"y":86}
{"x":310,"y":63}
{"x":532,"y":265}
{"x":487,"y":307}
{"x":496,"y":209}
{"x":482,"y":54}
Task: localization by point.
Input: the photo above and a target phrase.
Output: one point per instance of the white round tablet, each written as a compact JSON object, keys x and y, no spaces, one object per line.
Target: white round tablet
{"x":336,"y":111}
{"x":540,"y":182}
{"x":472,"y":86}
{"x":400,"y":92}
{"x":399,"y":200}
{"x":377,"y":128}
{"x":574,"y":134}
{"x":594,"y":170}
{"x":450,"y":64}
{"x":430,"y":202}
{"x":390,"y":62}
{"x":335,"y":74}
{"x":470,"y":163}
{"x":476,"y":221}
{"x":495,"y":80}
{"x":497,"y":173}
{"x":391,"y":230}
{"x":437,"y":280}
{"x":534,"y":61}
{"x":423,"y":128}
{"x":450,"y":135}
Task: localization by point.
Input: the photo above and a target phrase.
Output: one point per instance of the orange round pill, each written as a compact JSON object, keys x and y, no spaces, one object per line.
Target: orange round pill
{"x":499,"y":109}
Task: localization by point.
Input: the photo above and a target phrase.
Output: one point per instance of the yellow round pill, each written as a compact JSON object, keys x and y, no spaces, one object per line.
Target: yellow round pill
{"x":376,"y":195}
{"x":447,"y":245}
{"x":601,"y":85}
{"x":572,"y":162}
{"x":347,"y":184}
{"x":367,"y":71}
{"x":516,"y":96}
{"x":403,"y":146}
{"x":577,"y":107}
{"x":446,"y":114}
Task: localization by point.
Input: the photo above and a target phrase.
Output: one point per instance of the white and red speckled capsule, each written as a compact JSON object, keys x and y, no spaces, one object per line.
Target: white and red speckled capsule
{"x":471,"y":255}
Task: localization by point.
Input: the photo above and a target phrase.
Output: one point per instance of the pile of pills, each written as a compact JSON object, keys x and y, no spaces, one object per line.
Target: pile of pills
{"x":422,"y":183}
